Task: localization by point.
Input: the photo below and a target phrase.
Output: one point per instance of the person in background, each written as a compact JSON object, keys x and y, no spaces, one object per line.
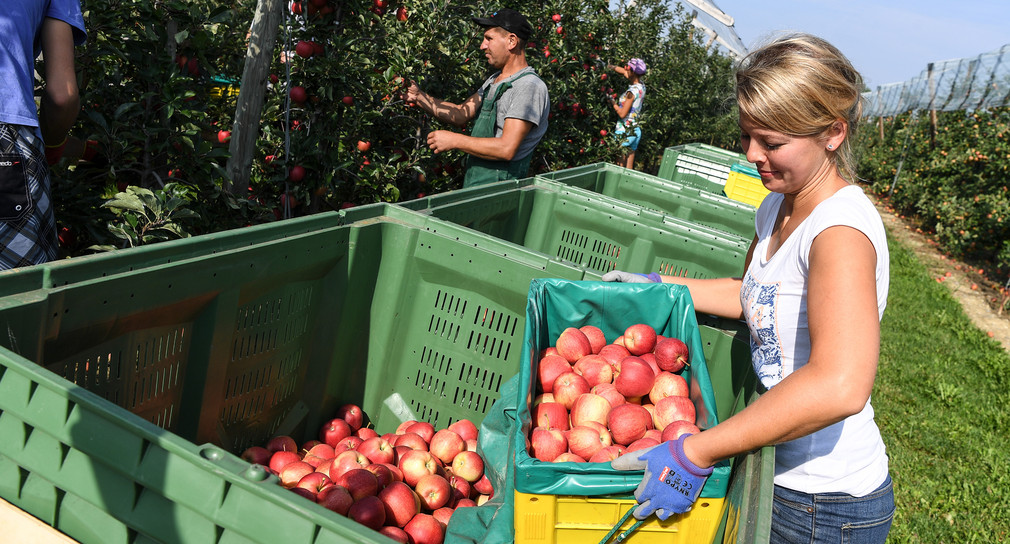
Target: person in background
{"x":32,"y":139}
{"x":511,"y":107}
{"x":813,"y":292}
{"x":628,"y":108}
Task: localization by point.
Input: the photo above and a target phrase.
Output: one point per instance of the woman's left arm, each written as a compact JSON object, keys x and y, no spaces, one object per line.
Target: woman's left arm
{"x":837,"y":380}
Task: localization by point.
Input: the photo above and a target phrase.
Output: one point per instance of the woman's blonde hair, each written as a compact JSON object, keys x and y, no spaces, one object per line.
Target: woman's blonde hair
{"x":801,"y":85}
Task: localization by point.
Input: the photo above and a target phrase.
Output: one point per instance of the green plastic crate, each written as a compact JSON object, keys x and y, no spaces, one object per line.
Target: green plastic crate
{"x":709,"y":163}
{"x":595,"y":232}
{"x":670,"y":198}
{"x":146,"y":384}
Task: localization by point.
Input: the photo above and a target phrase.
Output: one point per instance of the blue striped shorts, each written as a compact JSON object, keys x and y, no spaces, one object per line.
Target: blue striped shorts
{"x":27,"y":223}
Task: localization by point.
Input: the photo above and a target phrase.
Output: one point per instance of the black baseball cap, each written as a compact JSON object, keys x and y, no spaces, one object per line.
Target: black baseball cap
{"x":509,"y":19}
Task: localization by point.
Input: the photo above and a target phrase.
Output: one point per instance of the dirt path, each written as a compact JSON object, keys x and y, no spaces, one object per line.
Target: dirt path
{"x":973,"y":290}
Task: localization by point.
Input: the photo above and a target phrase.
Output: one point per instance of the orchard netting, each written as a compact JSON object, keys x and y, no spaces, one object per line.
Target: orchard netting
{"x":967,"y":84}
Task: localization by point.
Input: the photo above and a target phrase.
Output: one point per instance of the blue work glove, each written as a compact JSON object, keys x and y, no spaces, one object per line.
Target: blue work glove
{"x":671,"y":483}
{"x":628,"y":277}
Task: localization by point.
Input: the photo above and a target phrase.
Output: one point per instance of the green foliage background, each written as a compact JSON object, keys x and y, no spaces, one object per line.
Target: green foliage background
{"x":155,"y":79}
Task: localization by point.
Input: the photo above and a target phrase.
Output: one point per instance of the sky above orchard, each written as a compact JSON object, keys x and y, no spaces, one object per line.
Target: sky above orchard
{"x":888,"y":41}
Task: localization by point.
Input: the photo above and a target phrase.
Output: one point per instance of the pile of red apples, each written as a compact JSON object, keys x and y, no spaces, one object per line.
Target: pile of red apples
{"x":596,"y":401}
{"x":405,"y":485}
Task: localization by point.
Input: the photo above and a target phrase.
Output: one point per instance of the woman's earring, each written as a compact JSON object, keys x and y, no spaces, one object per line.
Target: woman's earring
{"x":830,"y":147}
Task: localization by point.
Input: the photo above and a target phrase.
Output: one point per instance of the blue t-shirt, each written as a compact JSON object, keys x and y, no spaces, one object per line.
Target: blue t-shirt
{"x":20,"y":45}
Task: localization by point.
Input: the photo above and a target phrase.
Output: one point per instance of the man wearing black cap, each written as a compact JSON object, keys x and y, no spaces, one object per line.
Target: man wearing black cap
{"x":511,"y":107}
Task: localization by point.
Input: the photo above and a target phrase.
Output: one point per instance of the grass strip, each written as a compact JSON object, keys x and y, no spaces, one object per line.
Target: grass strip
{"x":941,"y":399}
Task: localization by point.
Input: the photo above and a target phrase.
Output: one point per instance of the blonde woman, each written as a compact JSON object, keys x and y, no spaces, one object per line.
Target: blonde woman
{"x":813,"y":291}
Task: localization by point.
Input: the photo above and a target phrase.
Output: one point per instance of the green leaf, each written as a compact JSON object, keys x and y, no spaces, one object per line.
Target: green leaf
{"x":181,"y":36}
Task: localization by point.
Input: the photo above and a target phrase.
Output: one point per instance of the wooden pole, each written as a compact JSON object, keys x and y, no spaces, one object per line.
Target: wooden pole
{"x":252,"y":93}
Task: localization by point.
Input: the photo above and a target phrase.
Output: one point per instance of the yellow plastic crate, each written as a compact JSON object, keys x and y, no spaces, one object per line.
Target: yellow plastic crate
{"x":566,"y":519}
{"x":746,"y":189}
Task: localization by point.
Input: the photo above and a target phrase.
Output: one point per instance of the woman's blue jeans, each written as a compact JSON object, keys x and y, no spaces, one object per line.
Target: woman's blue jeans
{"x":832,"y":517}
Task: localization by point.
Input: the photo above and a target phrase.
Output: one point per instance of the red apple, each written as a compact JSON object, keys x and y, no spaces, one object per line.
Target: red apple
{"x":464,"y":503}
{"x":282,"y":443}
{"x":319,"y":454}
{"x":614,"y":354}
{"x":294,"y":471}
{"x":672,"y":409}
{"x":347,"y":460}
{"x":595,"y":369}
{"x":364,"y":146}
{"x":677,"y":428}
{"x":568,"y":387}
{"x":257,"y":455}
{"x":395,"y":470}
{"x":636,"y":378}
{"x":595,"y":335}
{"x":425,"y":529}
{"x":589,"y":407}
{"x":334,"y":431}
{"x":642,"y":443}
{"x":402,"y":428}
{"x":314,"y":482}
{"x":298,"y":94}
{"x":547,"y":444}
{"x":401,"y":503}
{"x":304,"y":49}
{"x":377,"y":450}
{"x":365,"y":433}
{"x":442,"y":515}
{"x":628,"y":422}
{"x":654,"y":434}
{"x":548,"y":370}
{"x":361,"y":482}
{"x":445,"y":445}
{"x":382,"y":473}
{"x":468,"y":465}
{"x":668,"y":385}
{"x":672,"y":354}
{"x":585,"y":441}
{"x":434,"y":491}
{"x":609,"y":392}
{"x":608,"y":454}
{"x":369,"y":511}
{"x":640,"y":338}
{"x":352,"y":414}
{"x":348,"y":443}
{"x":569,"y":457}
{"x":483,"y":486}
{"x":424,"y":429}
{"x":556,"y":17}
{"x":336,"y":498}
{"x":413,"y":441}
{"x":417,"y":463}
{"x":223,"y":136}
{"x":395,"y":534}
{"x":573,"y":344}
{"x":348,"y":100}
{"x":651,"y":359}
{"x":550,"y":414}
{"x":461,"y":488}
{"x":281,"y":459}
{"x":542,"y":398}
{"x":465,"y":428}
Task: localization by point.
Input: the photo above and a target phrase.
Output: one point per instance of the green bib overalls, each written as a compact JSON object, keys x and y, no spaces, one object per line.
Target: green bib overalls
{"x":483,"y":171}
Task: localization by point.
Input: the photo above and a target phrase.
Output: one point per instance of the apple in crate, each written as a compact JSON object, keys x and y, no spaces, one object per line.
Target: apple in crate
{"x":465,"y":428}
{"x":550,"y":414}
{"x":595,"y":369}
{"x":445,"y":445}
{"x":596,"y":338}
{"x":336,"y":498}
{"x":361,"y":482}
{"x":672,"y":409}
{"x":675,"y":429}
{"x":377,"y":450}
{"x":590,"y":407}
{"x":417,"y":463}
{"x":547,"y":443}
{"x":640,"y":338}
{"x":573,"y":344}
{"x":635,"y":379}
{"x":434,"y":491}
{"x":468,"y":465}
{"x":401,"y":503}
{"x":671,"y":354}
{"x":425,"y":529}
{"x":585,"y":441}
{"x":628,"y":422}
{"x":568,"y":387}
{"x":668,"y":384}
{"x":334,"y":431}
{"x":548,"y":370}
{"x":369,"y":511}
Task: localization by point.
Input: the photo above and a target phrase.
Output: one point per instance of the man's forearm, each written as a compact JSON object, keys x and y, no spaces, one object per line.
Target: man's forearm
{"x":443,"y":110}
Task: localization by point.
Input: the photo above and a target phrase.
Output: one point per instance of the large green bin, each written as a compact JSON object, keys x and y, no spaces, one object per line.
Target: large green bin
{"x":594,"y":231}
{"x":124,"y":399}
{"x":666,"y":196}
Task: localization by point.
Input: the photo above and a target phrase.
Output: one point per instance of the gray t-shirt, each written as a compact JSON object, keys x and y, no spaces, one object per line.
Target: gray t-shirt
{"x":528,"y":100}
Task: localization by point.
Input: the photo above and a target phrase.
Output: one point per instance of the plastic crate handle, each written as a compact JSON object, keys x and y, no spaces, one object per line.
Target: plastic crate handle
{"x":624,"y":535}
